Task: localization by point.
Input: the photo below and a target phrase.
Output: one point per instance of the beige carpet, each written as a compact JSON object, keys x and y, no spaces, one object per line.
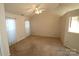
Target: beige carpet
{"x":40,"y":46}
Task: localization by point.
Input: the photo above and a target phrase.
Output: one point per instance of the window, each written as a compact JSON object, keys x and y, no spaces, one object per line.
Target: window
{"x":74,"y":24}
{"x":27,"y":26}
{"x":11,"y":30}
{"x":10,"y":24}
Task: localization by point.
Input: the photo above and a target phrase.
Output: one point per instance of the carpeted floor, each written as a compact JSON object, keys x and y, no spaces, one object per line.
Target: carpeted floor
{"x":40,"y":46}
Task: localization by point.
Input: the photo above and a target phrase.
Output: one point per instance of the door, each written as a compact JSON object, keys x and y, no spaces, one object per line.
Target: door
{"x":11,"y":30}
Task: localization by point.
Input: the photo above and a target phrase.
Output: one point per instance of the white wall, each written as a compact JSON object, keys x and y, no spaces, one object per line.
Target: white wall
{"x":20,"y":26}
{"x":3,"y":34}
{"x":45,"y":24}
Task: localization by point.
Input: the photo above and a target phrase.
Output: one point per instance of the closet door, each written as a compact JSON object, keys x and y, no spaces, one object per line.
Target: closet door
{"x":11,"y":30}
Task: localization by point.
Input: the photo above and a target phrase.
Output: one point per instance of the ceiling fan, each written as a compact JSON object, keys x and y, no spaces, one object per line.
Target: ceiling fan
{"x":38,"y":9}
{"x":35,"y":9}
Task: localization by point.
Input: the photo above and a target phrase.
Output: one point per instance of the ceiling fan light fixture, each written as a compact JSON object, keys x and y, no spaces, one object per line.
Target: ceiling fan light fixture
{"x":38,"y":11}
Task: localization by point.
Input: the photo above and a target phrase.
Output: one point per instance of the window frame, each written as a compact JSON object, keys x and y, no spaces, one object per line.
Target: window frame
{"x":70,"y":27}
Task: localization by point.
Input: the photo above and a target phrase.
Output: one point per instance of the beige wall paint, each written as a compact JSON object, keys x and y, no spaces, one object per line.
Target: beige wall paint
{"x":70,"y":40}
{"x":20,"y":26}
{"x":45,"y":24}
{"x":63,"y":27}
{"x":3,"y":34}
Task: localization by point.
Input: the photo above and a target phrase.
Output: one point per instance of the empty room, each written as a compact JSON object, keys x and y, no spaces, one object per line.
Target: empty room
{"x":39,"y":29}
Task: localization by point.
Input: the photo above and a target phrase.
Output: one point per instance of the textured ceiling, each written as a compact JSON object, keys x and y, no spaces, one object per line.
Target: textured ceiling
{"x":66,"y":7}
{"x":27,"y":9}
